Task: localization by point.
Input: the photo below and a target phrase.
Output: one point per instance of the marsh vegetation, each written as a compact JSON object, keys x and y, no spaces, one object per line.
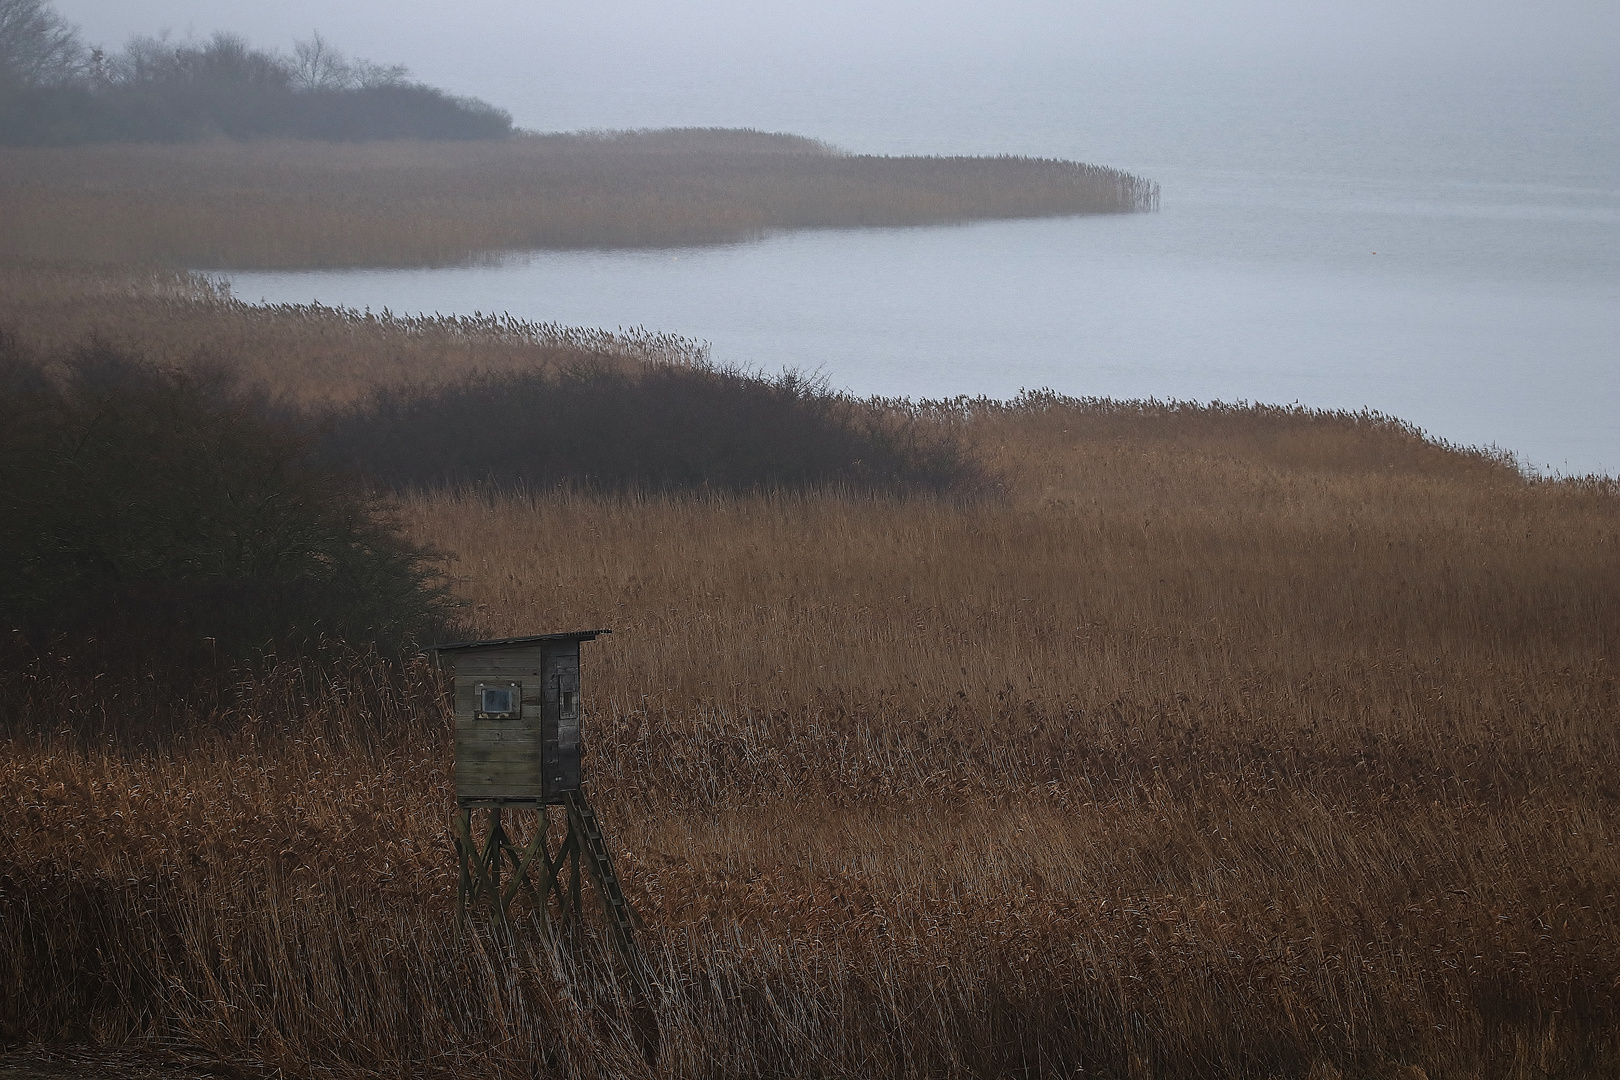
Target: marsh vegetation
{"x":219,"y":154}
{"x":1236,"y":741}
{"x":270,"y":204}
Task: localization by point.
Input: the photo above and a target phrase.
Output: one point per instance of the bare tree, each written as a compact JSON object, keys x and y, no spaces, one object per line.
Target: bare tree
{"x":316,"y":65}
{"x":37,"y":46}
{"x":367,"y":74}
{"x":224,"y":60}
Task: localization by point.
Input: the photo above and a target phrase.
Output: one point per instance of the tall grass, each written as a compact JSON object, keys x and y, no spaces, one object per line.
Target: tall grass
{"x":309,"y":356}
{"x":273,"y":205}
{"x":1232,"y":741}
{"x":424,"y":400}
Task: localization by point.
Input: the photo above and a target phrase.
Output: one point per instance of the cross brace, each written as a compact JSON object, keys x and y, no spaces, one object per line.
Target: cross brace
{"x":482,"y":863}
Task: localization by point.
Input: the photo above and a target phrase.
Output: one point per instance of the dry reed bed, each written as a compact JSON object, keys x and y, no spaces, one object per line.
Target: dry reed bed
{"x":1238,"y":742}
{"x":308,"y":355}
{"x":281,"y":205}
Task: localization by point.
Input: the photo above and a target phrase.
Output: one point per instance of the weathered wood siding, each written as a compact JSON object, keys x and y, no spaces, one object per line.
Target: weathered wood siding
{"x":562,"y":731}
{"x":499,"y":759}
{"x":535,"y":756}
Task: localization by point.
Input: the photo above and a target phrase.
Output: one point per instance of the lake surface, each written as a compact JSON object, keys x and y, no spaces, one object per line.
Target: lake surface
{"x":1440,"y":246}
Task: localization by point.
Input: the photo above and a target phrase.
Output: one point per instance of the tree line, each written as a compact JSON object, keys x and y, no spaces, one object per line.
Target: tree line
{"x":55,"y":90}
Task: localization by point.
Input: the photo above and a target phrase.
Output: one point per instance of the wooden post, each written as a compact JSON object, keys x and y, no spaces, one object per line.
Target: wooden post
{"x":492,"y":851}
{"x":461,"y":830}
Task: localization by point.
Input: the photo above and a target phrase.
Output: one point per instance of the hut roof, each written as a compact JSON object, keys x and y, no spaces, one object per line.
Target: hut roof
{"x":495,"y":643}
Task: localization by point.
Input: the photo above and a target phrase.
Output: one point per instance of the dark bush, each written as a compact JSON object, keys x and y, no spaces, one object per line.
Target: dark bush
{"x":666,"y":428}
{"x":162,"y":512}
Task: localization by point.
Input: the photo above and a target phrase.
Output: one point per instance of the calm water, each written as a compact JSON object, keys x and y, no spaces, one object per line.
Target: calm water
{"x":1444,"y":247}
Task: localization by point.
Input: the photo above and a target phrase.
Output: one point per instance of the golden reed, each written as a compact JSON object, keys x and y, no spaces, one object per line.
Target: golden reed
{"x":1239,"y":741}
{"x":300,"y":204}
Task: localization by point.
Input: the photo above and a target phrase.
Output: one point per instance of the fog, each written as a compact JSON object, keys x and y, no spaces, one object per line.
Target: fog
{"x":1406,"y":206}
{"x":554,"y":65}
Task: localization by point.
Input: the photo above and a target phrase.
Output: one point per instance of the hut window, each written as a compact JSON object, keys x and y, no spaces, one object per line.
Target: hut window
{"x":499,"y":702}
{"x":569,"y":700}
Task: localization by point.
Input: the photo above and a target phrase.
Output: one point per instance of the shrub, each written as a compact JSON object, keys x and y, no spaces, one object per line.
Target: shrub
{"x":665,"y":427}
{"x":158,"y":510}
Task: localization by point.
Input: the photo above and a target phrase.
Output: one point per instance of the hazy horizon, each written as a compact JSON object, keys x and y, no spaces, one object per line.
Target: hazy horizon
{"x":557,"y":67}
{"x":1472,"y":147}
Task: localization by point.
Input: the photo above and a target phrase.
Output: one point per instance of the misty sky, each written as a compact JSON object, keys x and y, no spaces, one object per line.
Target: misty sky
{"x":496,"y":48}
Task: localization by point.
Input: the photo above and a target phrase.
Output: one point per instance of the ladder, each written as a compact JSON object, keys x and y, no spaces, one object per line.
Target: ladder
{"x":584,"y":830}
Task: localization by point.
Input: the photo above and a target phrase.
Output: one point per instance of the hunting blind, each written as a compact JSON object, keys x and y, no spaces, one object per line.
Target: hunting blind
{"x":518,"y":744}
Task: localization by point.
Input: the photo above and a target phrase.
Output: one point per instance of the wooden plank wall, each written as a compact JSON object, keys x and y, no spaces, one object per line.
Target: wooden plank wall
{"x":500,"y":759}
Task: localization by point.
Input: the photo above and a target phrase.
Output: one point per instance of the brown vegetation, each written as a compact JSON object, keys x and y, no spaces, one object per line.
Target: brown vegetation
{"x":418,"y":400}
{"x":1225,"y":741}
{"x":308,"y":355}
{"x":274,"y":205}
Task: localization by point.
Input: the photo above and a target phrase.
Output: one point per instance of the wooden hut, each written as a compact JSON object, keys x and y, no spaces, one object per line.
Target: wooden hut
{"x":518,"y":747}
{"x":517,"y":709}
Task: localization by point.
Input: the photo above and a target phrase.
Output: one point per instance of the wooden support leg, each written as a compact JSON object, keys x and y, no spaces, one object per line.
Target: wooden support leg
{"x":492,"y":855}
{"x":548,"y":874}
{"x":475,"y":861}
{"x":461,"y":830}
{"x":569,"y":845}
{"x":541,"y":895}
